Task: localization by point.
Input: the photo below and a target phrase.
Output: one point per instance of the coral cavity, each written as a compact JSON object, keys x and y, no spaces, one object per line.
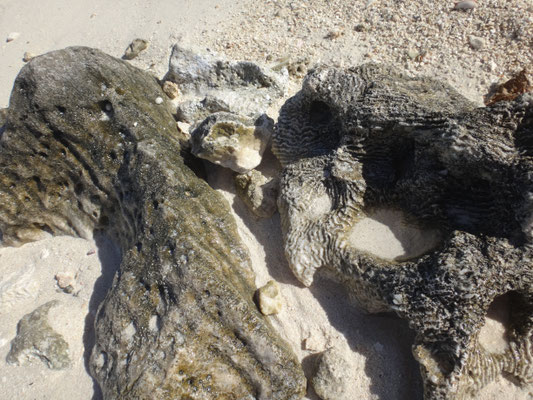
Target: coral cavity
{"x":420,"y":203}
{"x":385,"y":233}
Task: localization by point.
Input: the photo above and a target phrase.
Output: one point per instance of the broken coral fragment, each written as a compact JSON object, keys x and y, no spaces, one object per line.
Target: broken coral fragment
{"x":269,"y":297}
{"x":232,"y":141}
{"x":258,"y":192}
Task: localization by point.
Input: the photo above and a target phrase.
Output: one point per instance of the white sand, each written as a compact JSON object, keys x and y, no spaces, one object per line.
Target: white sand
{"x":313,"y":319}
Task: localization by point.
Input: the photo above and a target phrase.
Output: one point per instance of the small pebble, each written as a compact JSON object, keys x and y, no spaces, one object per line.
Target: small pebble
{"x":159,"y":100}
{"x":28,"y":56}
{"x":91,"y":252}
{"x":475,"y":42}
{"x":12,"y":36}
{"x":465,"y":5}
{"x":270,"y":300}
{"x":135,"y":48}
{"x":171,"y":89}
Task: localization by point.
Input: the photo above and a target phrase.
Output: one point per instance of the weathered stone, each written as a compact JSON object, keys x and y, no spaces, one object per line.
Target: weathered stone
{"x":135,"y":48}
{"x":451,"y":184}
{"x":232,"y":141}
{"x":269,"y":297}
{"x":36,"y":340}
{"x":258,"y":192}
{"x":214,"y":84}
{"x":86,"y":149}
{"x":333,"y":375}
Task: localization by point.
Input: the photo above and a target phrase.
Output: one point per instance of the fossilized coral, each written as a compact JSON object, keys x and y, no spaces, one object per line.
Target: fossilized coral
{"x":368,"y":143}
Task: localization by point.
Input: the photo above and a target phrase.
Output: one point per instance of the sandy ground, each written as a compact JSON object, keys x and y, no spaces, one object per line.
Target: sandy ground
{"x":339,"y":32}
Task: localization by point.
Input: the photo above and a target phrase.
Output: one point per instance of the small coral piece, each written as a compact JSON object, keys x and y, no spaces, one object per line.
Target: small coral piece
{"x":270,"y":300}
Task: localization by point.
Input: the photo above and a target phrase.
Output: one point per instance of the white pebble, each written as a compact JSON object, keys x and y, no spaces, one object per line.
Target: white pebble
{"x":12,"y":36}
{"x":159,"y":100}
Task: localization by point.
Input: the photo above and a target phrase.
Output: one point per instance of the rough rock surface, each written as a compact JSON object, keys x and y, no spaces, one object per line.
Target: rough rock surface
{"x":36,"y":340}
{"x":211,"y":84}
{"x":367,"y":141}
{"x":87,"y":149}
{"x":258,"y":192}
{"x":332,"y":376}
{"x":232,"y":141}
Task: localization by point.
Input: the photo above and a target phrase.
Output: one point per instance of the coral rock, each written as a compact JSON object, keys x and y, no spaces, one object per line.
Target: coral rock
{"x":232,"y":141}
{"x":258,"y":192}
{"x":211,"y":84}
{"x":451,"y":184}
{"x":36,"y":340}
{"x":100,"y":155}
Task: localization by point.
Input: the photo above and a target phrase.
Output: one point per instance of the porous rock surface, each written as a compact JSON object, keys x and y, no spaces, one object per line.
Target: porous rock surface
{"x":211,"y":84}
{"x":366,"y":141}
{"x":86,"y":148}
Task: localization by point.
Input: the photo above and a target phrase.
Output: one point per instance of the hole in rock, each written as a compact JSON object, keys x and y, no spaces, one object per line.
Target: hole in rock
{"x":386,"y":233}
{"x":493,"y":336}
{"x":319,"y":112}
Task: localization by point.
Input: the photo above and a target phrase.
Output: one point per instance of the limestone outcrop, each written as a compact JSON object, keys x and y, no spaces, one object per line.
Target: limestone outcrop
{"x":88,"y":148}
{"x":453,"y":185}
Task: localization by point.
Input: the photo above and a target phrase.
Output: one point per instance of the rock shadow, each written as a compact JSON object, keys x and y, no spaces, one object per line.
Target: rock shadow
{"x":267,"y":231}
{"x":384,"y":340}
{"x":110,"y":257}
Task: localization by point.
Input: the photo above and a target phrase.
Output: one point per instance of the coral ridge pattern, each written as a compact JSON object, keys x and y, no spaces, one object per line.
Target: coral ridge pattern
{"x":368,"y":141}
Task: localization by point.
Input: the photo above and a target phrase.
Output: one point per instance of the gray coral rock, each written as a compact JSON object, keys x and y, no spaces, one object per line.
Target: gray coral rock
{"x":88,"y":149}
{"x":368,"y":143}
{"x":232,"y":141}
{"x":258,"y":192}
{"x":36,"y":340}
{"x":213,"y":84}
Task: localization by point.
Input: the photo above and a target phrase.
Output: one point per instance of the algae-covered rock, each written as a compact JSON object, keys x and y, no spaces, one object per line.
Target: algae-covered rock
{"x":232,"y":141}
{"x":420,"y":204}
{"x":87,"y":149}
{"x":211,"y":84}
{"x":36,"y":340}
{"x":258,"y":192}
